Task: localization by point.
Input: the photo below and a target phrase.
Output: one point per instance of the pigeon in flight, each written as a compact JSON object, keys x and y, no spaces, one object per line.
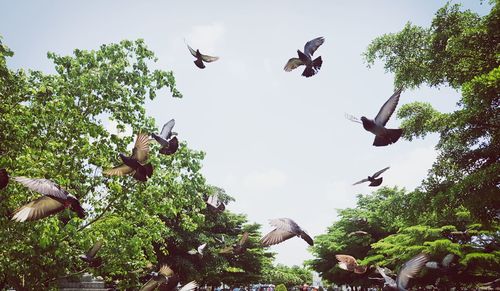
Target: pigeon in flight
{"x":409,"y":270}
{"x":445,"y":264}
{"x":4,"y":178}
{"x":90,"y":257}
{"x":349,"y":263}
{"x":237,"y":248}
{"x":167,"y":139}
{"x":136,"y":162}
{"x":383,"y":136}
{"x":285,"y":228}
{"x":55,"y":199}
{"x":312,"y":66}
{"x":200,"y":58}
{"x":158,"y":279}
{"x":214,"y":204}
{"x":374,"y":182}
{"x":198,"y":251}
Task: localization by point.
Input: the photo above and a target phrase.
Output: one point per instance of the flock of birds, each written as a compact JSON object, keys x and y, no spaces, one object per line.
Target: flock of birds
{"x":55,"y":198}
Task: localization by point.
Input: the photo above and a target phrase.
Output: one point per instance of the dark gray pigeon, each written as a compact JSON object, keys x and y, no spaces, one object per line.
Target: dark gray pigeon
{"x":409,"y":270}
{"x":167,"y":139}
{"x":90,"y":256}
{"x":374,"y":182}
{"x":383,"y":136}
{"x":200,"y":58}
{"x":312,"y":66}
{"x":285,"y":228}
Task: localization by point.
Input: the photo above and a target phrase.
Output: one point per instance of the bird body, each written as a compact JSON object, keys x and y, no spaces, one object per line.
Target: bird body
{"x":305,"y":58}
{"x":349,"y":263}
{"x":285,"y":228}
{"x":167,"y":139}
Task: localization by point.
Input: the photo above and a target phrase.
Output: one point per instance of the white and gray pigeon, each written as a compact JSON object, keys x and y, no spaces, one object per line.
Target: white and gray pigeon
{"x":198,"y":251}
{"x":285,"y":228}
{"x":305,"y":58}
{"x":167,"y":138}
{"x":383,"y":136}
{"x":408,"y":271}
{"x":374,"y":182}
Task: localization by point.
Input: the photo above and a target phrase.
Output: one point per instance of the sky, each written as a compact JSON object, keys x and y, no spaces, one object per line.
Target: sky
{"x":277,"y":142}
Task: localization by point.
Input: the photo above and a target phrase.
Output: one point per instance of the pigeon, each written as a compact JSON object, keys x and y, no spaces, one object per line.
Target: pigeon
{"x":383,"y":136}
{"x":285,"y":228}
{"x":358,"y":232}
{"x":90,"y":257}
{"x":200,"y":58}
{"x":167,"y":139}
{"x":408,"y":271}
{"x":312,"y":66}
{"x":158,"y":279}
{"x":198,"y":251}
{"x":135,"y":163}
{"x":349,"y":263}
{"x":445,"y":264}
{"x":4,"y":178}
{"x":55,"y":199}
{"x":237,"y":248}
{"x":374,"y":182}
{"x":214,"y":204}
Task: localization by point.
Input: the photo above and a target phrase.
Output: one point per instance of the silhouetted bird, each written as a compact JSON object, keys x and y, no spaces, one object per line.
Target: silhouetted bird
{"x":237,"y":248}
{"x":312,"y":66}
{"x":383,"y":136}
{"x":167,"y":139}
{"x":90,"y":256}
{"x":214,"y":204}
{"x":409,"y":270}
{"x":373,"y":179}
{"x":135,"y":164}
{"x":158,"y":279}
{"x":198,"y":251}
{"x":200,"y":58}
{"x":55,"y":200}
{"x":4,"y":178}
{"x":285,"y":228}
{"x":349,"y":263}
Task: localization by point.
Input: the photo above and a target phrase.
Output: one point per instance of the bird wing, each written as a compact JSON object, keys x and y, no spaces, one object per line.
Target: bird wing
{"x":361,"y":181}
{"x":388,"y":108}
{"x":285,"y":224}
{"x":275,"y":237}
{"x":166,"y":131}
{"x":166,"y":271}
{"x":312,"y":45}
{"x":189,"y":286}
{"x":243,"y":239}
{"x":120,"y":170}
{"x":213,"y":200}
{"x":192,"y":252}
{"x":380,"y":172}
{"x":191,"y":50}
{"x":388,"y":280}
{"x":292,"y":64}
{"x":208,"y":59}
{"x":346,"y":262}
{"x":447,"y":260}
{"x":201,"y":248}
{"x":410,"y":269}
{"x":94,"y":249}
{"x":141,"y":148}
{"x":42,"y":186}
{"x":37,"y":209}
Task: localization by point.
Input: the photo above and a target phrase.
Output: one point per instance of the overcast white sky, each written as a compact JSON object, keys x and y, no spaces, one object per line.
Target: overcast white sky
{"x":276,"y":141}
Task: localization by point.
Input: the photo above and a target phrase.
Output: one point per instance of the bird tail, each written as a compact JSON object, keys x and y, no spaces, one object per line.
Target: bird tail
{"x":388,"y":137}
{"x":307,"y":238}
{"x":149,"y":169}
{"x":199,"y":63}
{"x":317,"y":63}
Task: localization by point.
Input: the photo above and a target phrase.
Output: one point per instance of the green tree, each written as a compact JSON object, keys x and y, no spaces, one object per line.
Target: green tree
{"x":288,"y":276}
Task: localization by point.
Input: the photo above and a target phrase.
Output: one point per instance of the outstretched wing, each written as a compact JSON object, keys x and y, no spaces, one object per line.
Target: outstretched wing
{"x":312,"y":45}
{"x":346,"y":262}
{"x":37,"y":209}
{"x":361,"y":181}
{"x":292,"y":64}
{"x":120,"y":170}
{"x":166,"y":131}
{"x":275,"y":237}
{"x":141,"y":148}
{"x":42,"y":186}
{"x":410,"y":269}
{"x":189,"y":286}
{"x":388,"y":108}
{"x":95,"y":248}
{"x":191,"y":50}
{"x":380,"y":172}
{"x":208,"y":59}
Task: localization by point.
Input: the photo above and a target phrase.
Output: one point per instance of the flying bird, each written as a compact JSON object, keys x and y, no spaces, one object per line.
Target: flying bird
{"x":90,"y":256}
{"x":285,"y":228}
{"x":200,"y":58}
{"x":444,"y":265}
{"x":4,"y":178}
{"x":167,"y":139}
{"x":214,"y":204}
{"x":409,"y":270}
{"x":55,"y":199}
{"x":198,"y":251}
{"x":374,"y":182}
{"x":158,"y":278}
{"x":305,"y":58}
{"x":135,"y":164}
{"x":349,"y":263}
{"x":357,"y":233}
{"x":383,"y":136}
{"x":237,"y":248}
{"x":189,"y":286}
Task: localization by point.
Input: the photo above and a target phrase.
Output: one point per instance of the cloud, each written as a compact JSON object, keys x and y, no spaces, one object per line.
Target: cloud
{"x":266,"y":180}
{"x":206,"y":37}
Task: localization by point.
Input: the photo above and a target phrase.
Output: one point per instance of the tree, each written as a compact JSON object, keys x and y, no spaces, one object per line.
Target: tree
{"x":288,"y":276}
